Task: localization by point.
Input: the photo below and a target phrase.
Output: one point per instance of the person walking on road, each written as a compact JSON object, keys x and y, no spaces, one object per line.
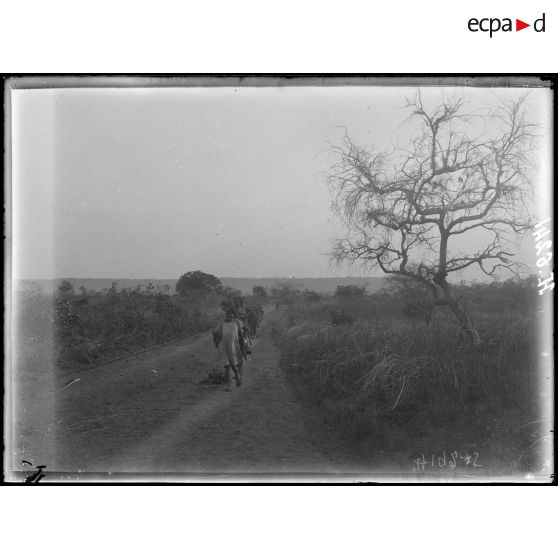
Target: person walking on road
{"x":229,"y":339}
{"x":246,"y":334}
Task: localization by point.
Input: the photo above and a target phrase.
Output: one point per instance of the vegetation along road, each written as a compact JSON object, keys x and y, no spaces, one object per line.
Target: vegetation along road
{"x":157,"y":412}
{"x":151,"y":413}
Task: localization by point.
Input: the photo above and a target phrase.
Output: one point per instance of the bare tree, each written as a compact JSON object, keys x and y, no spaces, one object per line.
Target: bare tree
{"x":408,"y":212}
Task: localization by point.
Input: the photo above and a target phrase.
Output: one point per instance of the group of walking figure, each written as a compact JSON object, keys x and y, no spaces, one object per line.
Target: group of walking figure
{"x":233,"y":337}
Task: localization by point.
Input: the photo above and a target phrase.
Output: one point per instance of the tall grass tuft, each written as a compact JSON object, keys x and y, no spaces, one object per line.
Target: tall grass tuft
{"x":399,"y":383}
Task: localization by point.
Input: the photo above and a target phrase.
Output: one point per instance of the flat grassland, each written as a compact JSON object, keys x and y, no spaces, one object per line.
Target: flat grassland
{"x":356,"y":385}
{"x":401,"y":385}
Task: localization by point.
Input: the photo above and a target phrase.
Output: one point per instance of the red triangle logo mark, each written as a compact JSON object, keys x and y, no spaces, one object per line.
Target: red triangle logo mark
{"x":519,"y":25}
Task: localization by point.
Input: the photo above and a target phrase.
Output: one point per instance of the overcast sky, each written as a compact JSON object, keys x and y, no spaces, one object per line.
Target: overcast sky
{"x":151,"y":183}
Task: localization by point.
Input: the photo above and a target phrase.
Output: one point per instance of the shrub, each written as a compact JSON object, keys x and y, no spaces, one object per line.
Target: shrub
{"x":311,"y":296}
{"x":350,"y":291}
{"x":198,"y":282}
{"x":259,"y":292}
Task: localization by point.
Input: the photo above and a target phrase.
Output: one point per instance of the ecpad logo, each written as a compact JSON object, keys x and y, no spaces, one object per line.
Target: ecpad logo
{"x":494,"y":24}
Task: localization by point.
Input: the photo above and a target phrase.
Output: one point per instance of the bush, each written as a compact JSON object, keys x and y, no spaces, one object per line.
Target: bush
{"x":107,"y":325}
{"x":198,"y":282}
{"x":285,"y":290}
{"x":311,"y":296}
{"x":350,"y":291}
{"x":259,"y":292}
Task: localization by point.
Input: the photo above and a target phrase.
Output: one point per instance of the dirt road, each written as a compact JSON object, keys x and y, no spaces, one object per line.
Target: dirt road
{"x":257,"y":428}
{"x":150,"y":414}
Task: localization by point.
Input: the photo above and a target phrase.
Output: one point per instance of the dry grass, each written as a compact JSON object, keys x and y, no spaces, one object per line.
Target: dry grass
{"x":400,"y":383}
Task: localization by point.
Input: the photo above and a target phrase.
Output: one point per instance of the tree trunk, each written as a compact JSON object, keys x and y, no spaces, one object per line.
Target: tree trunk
{"x":462,"y":316}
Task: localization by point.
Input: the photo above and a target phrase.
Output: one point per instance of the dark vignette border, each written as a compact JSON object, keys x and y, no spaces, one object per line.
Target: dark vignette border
{"x":66,"y":80}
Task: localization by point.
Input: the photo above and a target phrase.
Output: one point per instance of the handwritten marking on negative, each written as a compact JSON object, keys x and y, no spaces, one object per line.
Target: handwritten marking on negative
{"x":450,"y":460}
{"x":542,"y":237}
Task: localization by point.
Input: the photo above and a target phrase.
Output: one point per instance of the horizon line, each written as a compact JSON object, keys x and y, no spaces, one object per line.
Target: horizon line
{"x":218,"y":276}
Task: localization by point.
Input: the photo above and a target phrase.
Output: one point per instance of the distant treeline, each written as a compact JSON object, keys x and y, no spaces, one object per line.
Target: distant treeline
{"x":324,"y":285}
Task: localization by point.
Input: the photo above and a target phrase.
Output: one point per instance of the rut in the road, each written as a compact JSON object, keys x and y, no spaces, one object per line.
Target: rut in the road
{"x":257,"y":428}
